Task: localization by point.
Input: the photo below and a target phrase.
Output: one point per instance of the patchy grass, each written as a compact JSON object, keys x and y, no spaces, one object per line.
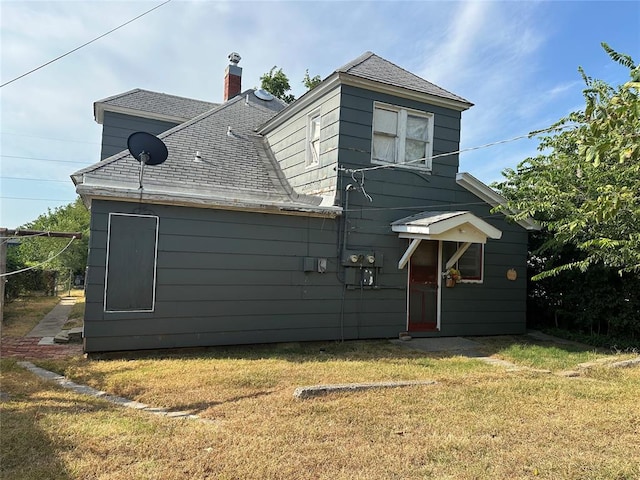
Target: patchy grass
{"x":529,"y":352}
{"x":76,"y":316}
{"x":24,"y":313}
{"x":478,"y":422}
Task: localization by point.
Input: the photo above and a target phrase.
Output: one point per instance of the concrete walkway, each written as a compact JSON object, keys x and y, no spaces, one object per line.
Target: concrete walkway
{"x":52,"y":323}
{"x":454,"y":346}
{"x":38,"y":343}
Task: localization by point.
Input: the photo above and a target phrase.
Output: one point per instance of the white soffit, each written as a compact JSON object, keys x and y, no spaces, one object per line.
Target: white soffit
{"x":493,"y":198}
{"x":446,"y":226}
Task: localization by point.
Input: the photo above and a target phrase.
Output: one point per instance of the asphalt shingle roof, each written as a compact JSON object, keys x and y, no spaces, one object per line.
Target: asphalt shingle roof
{"x":372,"y":67}
{"x":147,"y":101}
{"x":233,"y":163}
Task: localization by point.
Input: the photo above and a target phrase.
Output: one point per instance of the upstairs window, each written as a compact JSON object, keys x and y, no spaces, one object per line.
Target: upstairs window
{"x":402,"y":136}
{"x":313,"y":139}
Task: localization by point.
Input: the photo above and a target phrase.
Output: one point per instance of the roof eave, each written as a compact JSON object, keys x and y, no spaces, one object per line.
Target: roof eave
{"x":292,"y":109}
{"x":99,"y":108}
{"x":356,"y":81}
{"x":222,"y":202}
{"x":493,"y":198}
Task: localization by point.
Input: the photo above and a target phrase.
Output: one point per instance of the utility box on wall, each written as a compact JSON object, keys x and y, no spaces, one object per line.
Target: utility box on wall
{"x":311,"y":264}
{"x":351,"y":258}
{"x":361,"y":268}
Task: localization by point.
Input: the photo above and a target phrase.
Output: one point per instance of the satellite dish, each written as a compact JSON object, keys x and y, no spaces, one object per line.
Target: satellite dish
{"x":263,"y":95}
{"x":147,"y":149}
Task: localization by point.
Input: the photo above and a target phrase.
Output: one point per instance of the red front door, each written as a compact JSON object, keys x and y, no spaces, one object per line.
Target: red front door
{"x":423,"y":287}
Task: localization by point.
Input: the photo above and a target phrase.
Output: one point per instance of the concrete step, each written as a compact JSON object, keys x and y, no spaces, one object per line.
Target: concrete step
{"x":73,"y":335}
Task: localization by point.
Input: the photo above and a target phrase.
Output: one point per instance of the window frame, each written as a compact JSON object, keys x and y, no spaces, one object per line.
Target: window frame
{"x":480,"y":261}
{"x":106,"y":302}
{"x":401,"y":136}
{"x":312,"y":160}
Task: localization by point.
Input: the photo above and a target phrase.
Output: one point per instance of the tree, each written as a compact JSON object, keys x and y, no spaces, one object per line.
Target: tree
{"x":584,"y":187}
{"x":311,"y":82}
{"x":277,"y":83}
{"x":73,"y":217}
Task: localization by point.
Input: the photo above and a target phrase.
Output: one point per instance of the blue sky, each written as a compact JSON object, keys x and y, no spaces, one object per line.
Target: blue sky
{"x":516,"y":61}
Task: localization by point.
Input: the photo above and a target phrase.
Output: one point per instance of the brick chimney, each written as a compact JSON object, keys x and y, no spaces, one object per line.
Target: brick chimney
{"x":232,"y":77}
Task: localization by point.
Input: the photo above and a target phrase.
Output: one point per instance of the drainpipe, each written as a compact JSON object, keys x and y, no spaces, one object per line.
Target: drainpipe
{"x":343,"y":247}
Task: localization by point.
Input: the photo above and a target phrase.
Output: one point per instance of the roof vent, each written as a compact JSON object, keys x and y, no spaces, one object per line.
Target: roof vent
{"x":263,"y":95}
{"x":234,"y":58}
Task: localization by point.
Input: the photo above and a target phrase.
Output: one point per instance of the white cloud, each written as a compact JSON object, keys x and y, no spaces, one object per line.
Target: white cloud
{"x":503,"y":56}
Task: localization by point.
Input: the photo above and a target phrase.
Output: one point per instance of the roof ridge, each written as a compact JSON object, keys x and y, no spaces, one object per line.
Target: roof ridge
{"x":356,"y":61}
{"x":187,"y":123}
{"x":118,"y":95}
{"x":138,"y":90}
{"x":417,"y":76}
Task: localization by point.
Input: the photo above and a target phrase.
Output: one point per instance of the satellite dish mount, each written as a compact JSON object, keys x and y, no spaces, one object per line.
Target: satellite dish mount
{"x":148,"y":150}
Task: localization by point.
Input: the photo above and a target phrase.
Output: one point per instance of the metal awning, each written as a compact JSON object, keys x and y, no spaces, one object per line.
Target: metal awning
{"x":463,"y":227}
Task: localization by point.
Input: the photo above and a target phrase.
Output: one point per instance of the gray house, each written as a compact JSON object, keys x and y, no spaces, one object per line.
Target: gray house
{"x":339,"y":216}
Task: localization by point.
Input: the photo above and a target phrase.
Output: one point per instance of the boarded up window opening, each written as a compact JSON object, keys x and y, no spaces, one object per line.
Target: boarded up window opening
{"x":130,"y":277}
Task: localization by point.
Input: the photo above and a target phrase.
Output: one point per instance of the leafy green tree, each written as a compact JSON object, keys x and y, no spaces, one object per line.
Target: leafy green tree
{"x":311,"y":82}
{"x":584,"y":187}
{"x":73,"y":217}
{"x":277,"y":83}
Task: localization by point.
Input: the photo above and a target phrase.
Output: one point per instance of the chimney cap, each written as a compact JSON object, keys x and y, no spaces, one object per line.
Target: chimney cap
{"x":234,"y":58}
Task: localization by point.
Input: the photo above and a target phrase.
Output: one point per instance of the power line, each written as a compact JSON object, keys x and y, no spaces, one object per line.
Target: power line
{"x":469,"y":149}
{"x":34,"y":179}
{"x":49,"y":138}
{"x":38,"y":199}
{"x":84,"y":44}
{"x":41,"y":263}
{"x":42,"y":159}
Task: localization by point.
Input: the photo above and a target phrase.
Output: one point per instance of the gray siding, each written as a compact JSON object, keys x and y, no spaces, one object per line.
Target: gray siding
{"x":235,"y":277}
{"x":117,"y":127}
{"x":497,"y":306}
{"x":231,"y":277}
{"x":288,"y":143}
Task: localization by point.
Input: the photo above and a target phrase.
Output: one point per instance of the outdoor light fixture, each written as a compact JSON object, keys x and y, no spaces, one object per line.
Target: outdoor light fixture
{"x":371,"y":259}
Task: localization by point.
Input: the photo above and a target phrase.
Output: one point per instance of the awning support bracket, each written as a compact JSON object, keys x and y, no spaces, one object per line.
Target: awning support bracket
{"x":456,"y":256}
{"x":407,"y":255}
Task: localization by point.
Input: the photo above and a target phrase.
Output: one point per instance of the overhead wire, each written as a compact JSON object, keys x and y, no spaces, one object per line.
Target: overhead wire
{"x":84,"y":44}
{"x":34,"y":179}
{"x":49,"y":138}
{"x":41,"y":159}
{"x":463,"y":150}
{"x":12,"y":237}
{"x":41,"y":263}
{"x":38,"y":199}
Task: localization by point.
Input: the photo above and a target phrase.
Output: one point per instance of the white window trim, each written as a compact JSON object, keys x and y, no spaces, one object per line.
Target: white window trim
{"x":471,"y":280}
{"x":401,"y":137}
{"x":310,"y":161}
{"x":155,"y":264}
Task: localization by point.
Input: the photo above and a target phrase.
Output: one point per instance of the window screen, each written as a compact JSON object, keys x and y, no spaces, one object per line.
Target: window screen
{"x":131,"y":263}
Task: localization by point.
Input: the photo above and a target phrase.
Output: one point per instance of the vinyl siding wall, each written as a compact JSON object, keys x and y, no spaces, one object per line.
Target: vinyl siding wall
{"x":228,"y":277}
{"x":116,"y":128}
{"x":498,"y":305}
{"x":288,"y":143}
{"x":231,"y":277}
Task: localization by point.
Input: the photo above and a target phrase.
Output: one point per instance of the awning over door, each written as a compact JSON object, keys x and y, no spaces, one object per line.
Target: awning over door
{"x":463,"y":227}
